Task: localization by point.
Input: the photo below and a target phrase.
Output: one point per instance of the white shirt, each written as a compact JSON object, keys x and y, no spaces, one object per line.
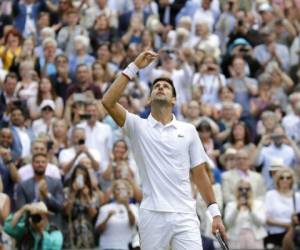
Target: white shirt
{"x":68,"y":154}
{"x":40,"y":127}
{"x":26,"y":172}
{"x":99,"y":137}
{"x":165,"y":155}
{"x":25,"y":141}
{"x":280,"y":208}
{"x":118,"y":232}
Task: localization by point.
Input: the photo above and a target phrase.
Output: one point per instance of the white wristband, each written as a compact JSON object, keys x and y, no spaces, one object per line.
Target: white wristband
{"x":131,"y":70}
{"x":213,"y":210}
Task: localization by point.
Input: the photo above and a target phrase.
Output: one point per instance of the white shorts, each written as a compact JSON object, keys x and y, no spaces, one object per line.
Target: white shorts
{"x":162,"y":230}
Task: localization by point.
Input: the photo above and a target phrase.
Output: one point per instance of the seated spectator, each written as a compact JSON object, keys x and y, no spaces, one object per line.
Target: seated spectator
{"x":45,"y":92}
{"x":242,"y":171}
{"x":117,"y":216}
{"x":279,"y":207}
{"x":41,"y":188}
{"x":81,"y":208}
{"x":102,"y":76}
{"x":26,"y":172}
{"x":211,"y":146}
{"x":240,"y":138}
{"x":135,"y":30}
{"x":30,"y":227}
{"x":227,"y":159}
{"x":245,"y":218}
{"x":44,"y":124}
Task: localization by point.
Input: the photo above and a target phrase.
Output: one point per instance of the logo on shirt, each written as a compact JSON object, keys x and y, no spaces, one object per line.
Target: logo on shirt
{"x":180,"y":135}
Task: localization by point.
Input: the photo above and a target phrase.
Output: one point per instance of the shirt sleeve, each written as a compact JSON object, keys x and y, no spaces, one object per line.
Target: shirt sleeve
{"x":130,"y":123}
{"x":197,"y":152}
{"x":17,"y":231}
{"x":103,"y":213}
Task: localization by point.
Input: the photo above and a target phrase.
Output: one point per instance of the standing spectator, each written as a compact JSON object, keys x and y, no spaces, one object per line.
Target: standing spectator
{"x":8,"y":171}
{"x":5,"y":242}
{"x":70,"y":157}
{"x":272,"y":53}
{"x":81,"y":208}
{"x":41,"y":188}
{"x":6,"y":141}
{"x":11,"y":48}
{"x":66,"y":35}
{"x":44,"y":124}
{"x":45,"y":92}
{"x":98,"y":134}
{"x":244,"y":87}
{"x":22,"y":136}
{"x":242,"y":171}
{"x":26,"y":15}
{"x":118,"y":216}
{"x":27,"y":88}
{"x":27,"y":171}
{"x":7,"y":94}
{"x":61,"y":80}
{"x":59,"y":136}
{"x":84,"y":83}
{"x":30,"y":227}
{"x":275,"y":146}
{"x":209,"y":80}
{"x":80,"y":54}
{"x":245,"y":218}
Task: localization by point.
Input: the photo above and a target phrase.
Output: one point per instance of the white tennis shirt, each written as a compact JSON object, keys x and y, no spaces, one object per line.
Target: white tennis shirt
{"x":164,"y":155}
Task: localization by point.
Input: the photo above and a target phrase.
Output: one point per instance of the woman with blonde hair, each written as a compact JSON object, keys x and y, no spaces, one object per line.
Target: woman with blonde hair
{"x":280,"y":206}
{"x":245,"y":218}
{"x":118,"y":216}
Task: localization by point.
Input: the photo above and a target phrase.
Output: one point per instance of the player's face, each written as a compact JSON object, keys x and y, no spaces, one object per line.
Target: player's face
{"x":162,"y":91}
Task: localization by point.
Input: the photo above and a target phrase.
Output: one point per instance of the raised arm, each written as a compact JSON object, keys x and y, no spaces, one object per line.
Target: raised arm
{"x":111,"y":97}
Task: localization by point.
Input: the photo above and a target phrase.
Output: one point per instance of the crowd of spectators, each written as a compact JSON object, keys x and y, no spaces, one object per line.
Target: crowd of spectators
{"x":67,"y":175}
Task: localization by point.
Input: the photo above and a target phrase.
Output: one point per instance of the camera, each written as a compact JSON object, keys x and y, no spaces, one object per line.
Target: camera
{"x":244,"y":192}
{"x":35,"y":218}
{"x":81,"y":141}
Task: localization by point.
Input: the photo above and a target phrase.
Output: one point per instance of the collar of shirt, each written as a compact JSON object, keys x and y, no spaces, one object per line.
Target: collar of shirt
{"x":155,"y":123}
{"x":243,"y":174}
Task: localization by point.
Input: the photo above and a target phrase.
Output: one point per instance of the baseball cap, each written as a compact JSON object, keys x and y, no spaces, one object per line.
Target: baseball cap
{"x":47,"y":103}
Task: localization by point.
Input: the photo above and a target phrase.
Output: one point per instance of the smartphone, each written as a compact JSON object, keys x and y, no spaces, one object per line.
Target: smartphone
{"x":80,"y":181}
{"x":222,"y":243}
{"x":79,"y":97}
{"x":81,"y":142}
{"x":85,"y":116}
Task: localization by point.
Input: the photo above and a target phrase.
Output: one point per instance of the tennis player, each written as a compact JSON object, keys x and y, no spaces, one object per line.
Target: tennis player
{"x":167,"y":151}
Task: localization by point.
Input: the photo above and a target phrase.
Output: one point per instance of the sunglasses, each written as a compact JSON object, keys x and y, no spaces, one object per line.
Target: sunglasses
{"x":285,"y":177}
{"x":47,"y":109}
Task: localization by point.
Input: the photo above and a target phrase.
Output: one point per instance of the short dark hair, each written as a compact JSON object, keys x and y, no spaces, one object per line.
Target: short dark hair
{"x":38,"y":155}
{"x":11,"y":75}
{"x":165,"y":79}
